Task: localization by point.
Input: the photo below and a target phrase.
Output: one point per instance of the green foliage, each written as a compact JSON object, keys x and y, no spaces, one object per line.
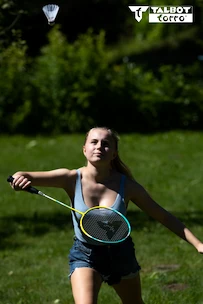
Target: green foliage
{"x":65,"y":77}
{"x":171,"y":100}
{"x":71,"y":86}
{"x":10,"y":14}
{"x":13,"y":107}
{"x":147,"y":102}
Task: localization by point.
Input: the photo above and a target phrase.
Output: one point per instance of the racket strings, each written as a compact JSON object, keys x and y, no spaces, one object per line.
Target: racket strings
{"x":106,"y":225}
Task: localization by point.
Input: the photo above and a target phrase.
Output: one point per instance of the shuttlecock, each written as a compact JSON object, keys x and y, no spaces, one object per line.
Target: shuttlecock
{"x":50,"y":11}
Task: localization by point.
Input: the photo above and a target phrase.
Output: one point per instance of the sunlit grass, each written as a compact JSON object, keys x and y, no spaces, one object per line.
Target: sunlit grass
{"x":36,"y":234}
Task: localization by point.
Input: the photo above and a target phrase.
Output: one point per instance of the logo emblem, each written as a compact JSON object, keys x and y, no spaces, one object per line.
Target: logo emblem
{"x":164,"y":14}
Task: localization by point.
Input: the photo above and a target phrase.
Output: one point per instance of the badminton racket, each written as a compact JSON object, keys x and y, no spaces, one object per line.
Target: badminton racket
{"x":100,"y":223}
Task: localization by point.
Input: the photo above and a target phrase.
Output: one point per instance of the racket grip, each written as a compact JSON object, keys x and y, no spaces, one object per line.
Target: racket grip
{"x":28,"y":189}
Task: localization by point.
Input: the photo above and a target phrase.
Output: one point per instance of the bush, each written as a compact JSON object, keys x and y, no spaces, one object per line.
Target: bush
{"x":64,"y":79}
{"x":72,"y":87}
{"x":132,"y":99}
{"x":13,"y":107}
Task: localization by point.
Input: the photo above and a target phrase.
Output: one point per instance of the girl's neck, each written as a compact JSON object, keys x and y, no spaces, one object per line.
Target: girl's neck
{"x":98,"y":174}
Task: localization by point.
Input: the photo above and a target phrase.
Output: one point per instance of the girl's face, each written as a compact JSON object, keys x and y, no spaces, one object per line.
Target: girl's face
{"x":99,"y":146}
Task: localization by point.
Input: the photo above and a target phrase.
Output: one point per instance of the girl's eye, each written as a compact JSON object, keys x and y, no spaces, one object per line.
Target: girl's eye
{"x":106,"y":144}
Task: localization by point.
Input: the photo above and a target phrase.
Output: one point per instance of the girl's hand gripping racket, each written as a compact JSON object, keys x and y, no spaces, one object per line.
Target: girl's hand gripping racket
{"x":100,"y":223}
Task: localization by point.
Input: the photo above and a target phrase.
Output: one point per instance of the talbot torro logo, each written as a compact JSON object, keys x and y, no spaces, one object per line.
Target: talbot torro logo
{"x":164,"y":14}
{"x":110,"y":227}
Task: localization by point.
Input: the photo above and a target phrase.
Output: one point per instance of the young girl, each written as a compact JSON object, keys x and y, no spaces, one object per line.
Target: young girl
{"x":104,"y":181}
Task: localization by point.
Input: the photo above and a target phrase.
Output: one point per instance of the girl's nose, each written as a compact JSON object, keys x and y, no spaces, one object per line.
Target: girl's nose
{"x":99,"y":145}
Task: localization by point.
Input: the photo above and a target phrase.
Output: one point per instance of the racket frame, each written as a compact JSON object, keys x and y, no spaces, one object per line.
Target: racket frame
{"x":101,"y":241}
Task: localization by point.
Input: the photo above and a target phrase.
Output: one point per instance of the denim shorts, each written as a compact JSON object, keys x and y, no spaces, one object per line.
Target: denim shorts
{"x":113,"y":262}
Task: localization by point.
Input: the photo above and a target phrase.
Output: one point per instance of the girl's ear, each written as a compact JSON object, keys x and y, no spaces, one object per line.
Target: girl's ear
{"x":84,"y":150}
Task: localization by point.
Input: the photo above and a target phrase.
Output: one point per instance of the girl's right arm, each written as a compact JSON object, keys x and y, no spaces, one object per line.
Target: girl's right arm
{"x":60,"y":178}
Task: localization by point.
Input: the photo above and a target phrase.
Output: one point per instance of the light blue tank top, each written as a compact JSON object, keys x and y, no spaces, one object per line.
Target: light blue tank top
{"x":79,"y":204}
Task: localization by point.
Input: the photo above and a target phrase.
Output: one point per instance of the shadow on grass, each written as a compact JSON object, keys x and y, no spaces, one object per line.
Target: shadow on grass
{"x":40,"y":224}
{"x":140,"y":220}
{"x":33,"y":225}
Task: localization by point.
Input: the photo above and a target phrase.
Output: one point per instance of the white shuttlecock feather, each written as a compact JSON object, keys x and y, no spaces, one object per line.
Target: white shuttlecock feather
{"x":51,"y":11}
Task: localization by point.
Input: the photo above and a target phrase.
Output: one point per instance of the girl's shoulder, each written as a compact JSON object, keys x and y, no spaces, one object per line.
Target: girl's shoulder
{"x":132,"y":188}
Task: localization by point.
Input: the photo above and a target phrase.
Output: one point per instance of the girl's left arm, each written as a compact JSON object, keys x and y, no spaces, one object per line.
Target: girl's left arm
{"x":139,"y":196}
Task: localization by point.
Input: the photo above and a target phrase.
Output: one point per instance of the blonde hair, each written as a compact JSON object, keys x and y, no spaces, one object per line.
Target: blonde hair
{"x":116,"y":163}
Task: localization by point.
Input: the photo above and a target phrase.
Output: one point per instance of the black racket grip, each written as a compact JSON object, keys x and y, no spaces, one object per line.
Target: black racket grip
{"x":28,"y":189}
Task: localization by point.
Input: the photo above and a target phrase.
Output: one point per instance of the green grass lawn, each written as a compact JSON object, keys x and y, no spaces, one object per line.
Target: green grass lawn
{"x":36,"y":234}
